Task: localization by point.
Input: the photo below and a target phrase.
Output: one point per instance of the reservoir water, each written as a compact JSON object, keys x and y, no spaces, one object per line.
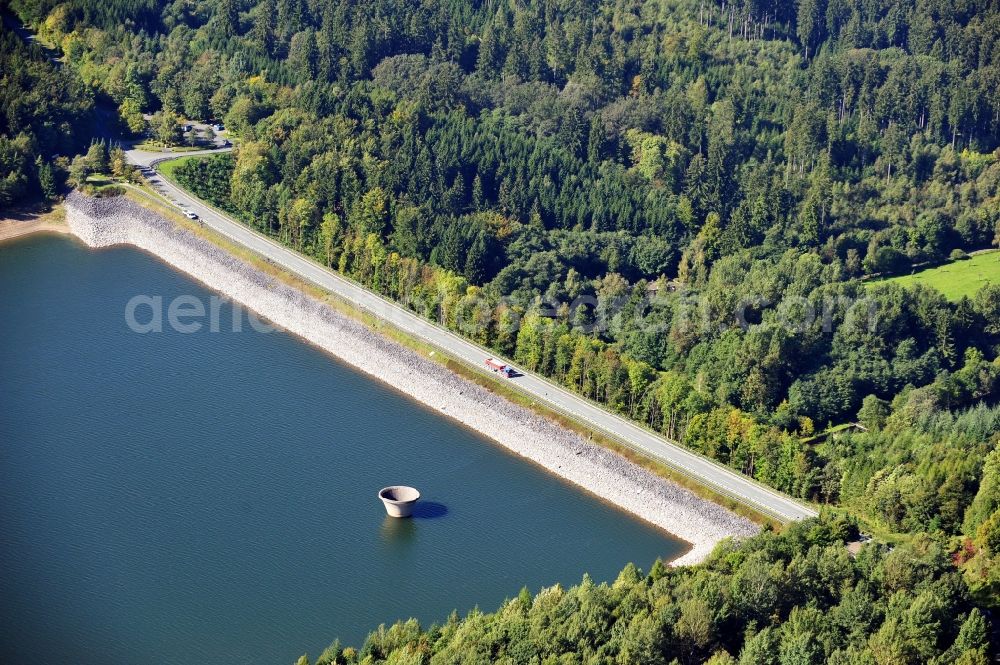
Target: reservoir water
{"x":178,"y":498}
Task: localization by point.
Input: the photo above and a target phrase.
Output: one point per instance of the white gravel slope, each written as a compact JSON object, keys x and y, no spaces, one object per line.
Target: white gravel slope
{"x":105,"y":222}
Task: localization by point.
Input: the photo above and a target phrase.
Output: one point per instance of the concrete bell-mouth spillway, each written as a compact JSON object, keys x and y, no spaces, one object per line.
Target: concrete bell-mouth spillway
{"x":117,"y":220}
{"x":399,"y":500}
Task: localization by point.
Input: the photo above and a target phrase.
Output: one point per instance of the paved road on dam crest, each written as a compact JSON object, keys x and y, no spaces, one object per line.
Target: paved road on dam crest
{"x":719,"y":478}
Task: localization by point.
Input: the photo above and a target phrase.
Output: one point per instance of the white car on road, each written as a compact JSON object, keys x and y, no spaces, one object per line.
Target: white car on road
{"x":190,"y":215}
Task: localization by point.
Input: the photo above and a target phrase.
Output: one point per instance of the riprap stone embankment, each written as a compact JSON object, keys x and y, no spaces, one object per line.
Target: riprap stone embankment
{"x":113,"y":221}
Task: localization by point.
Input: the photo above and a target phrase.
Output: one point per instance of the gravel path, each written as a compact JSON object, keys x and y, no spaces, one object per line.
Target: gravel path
{"x":104,"y":222}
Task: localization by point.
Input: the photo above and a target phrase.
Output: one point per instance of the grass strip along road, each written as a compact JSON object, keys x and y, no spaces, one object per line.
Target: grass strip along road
{"x":709,"y":473}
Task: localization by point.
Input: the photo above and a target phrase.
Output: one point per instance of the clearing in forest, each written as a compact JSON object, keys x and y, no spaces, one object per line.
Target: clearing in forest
{"x":957,"y":278}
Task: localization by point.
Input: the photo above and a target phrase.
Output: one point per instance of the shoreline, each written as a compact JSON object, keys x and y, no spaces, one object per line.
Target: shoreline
{"x":11,"y":229}
{"x":601,"y":472}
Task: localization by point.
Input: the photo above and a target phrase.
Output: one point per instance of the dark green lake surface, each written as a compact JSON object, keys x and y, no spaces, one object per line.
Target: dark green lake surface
{"x":185,"y":499}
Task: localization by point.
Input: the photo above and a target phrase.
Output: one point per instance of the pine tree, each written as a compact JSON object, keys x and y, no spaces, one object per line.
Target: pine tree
{"x":475,"y":261}
{"x":262,"y":33}
{"x":488,"y":61}
{"x":478,"y":202}
{"x":46,"y":178}
{"x":229,"y":17}
{"x":945,"y":339}
{"x":809,"y":22}
{"x":596,"y":141}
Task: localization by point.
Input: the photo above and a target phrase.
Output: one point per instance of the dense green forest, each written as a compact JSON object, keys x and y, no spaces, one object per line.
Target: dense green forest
{"x":669,"y":207}
{"x":45,"y":117}
{"x":789,"y":599}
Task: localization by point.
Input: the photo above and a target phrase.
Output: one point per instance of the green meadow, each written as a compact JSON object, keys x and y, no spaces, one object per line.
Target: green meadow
{"x":958,"y":278}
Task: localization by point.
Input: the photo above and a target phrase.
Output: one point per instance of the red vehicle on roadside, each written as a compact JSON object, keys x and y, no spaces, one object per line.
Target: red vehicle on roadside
{"x":499,"y":367}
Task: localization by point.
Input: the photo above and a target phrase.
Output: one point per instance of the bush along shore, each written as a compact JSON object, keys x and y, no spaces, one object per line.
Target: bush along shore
{"x":114,"y":221}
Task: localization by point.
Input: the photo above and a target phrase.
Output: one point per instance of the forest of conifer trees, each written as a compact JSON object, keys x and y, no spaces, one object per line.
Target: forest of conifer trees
{"x":673,"y":208}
